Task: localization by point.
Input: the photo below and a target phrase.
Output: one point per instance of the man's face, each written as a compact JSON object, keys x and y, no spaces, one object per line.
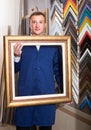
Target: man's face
{"x":37,"y":25}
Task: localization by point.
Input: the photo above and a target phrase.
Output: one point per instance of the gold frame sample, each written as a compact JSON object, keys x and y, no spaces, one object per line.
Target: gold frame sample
{"x":16,"y":101}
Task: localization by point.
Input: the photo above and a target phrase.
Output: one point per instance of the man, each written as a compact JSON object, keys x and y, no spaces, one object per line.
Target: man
{"x":37,"y":66}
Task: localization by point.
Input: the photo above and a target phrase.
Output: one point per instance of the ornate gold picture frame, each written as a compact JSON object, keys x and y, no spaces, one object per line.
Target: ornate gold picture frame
{"x":15,"y":101}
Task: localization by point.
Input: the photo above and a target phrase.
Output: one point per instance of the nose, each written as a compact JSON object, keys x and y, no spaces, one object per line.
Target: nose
{"x":37,"y":24}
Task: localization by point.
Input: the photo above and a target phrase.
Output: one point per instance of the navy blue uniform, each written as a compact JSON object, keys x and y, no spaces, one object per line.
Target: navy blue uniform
{"x":37,"y":71}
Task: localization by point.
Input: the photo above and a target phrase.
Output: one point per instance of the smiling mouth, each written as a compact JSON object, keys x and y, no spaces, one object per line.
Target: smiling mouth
{"x":37,"y":29}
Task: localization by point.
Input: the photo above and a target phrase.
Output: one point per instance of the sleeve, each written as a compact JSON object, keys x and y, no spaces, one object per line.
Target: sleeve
{"x":16,"y":59}
{"x":58,"y":68}
{"x":17,"y":64}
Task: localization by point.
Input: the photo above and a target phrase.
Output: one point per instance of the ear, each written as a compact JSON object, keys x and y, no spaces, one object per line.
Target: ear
{"x":45,"y":25}
{"x":29,"y":26}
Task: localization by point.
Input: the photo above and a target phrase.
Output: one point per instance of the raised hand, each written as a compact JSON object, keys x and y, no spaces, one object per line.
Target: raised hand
{"x":18,"y":49}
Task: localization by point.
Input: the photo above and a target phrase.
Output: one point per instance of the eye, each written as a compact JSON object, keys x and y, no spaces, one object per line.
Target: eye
{"x":41,"y":21}
{"x":33,"y":22}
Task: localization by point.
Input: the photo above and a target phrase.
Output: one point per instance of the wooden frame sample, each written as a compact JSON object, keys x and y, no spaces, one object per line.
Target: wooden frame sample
{"x":15,"y":101}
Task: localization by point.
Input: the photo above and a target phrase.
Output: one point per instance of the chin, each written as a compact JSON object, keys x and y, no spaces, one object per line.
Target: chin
{"x":38,"y":33}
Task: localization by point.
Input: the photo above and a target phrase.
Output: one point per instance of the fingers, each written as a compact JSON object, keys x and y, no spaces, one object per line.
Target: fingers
{"x":18,"y":49}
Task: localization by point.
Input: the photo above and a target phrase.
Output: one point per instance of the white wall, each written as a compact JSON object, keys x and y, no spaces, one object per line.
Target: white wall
{"x":9,"y":15}
{"x":9,"y":21}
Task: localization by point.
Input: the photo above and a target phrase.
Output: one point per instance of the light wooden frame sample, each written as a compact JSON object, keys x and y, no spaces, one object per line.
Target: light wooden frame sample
{"x":16,"y":101}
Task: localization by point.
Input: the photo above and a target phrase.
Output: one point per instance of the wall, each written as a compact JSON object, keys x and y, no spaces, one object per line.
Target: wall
{"x":9,"y":20}
{"x":9,"y":25}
